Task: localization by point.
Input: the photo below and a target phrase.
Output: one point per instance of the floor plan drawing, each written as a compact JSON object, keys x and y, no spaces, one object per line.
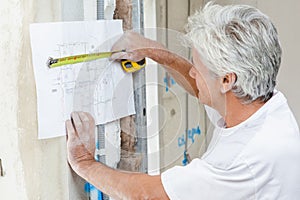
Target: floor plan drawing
{"x":99,"y":87}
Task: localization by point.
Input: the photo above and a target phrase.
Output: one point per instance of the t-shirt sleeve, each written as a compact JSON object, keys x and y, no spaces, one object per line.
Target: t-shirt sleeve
{"x":199,"y":180}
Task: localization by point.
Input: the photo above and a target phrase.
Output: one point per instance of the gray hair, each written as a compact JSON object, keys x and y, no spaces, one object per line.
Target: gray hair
{"x":238,"y":39}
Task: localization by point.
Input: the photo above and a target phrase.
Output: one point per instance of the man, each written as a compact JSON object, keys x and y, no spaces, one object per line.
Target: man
{"x":255,"y":149}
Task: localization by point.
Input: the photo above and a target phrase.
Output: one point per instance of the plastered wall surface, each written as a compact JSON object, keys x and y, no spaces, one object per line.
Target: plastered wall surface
{"x":33,"y":169}
{"x":10,"y":48}
{"x":285,"y":15}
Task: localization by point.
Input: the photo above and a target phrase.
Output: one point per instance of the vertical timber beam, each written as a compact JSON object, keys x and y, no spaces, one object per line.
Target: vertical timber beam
{"x":133,"y":128}
{"x":124,"y":11}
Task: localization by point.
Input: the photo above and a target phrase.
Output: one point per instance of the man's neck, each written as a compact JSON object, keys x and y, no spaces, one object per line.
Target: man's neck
{"x":236,"y":112}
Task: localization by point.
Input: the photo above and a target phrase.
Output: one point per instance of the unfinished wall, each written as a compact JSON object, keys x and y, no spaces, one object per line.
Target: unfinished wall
{"x":36,"y":169}
{"x":172,"y":14}
{"x":179,"y":112}
{"x":33,"y":169}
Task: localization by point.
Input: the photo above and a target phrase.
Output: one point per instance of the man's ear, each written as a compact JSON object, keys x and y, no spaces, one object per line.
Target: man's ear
{"x":227,"y":82}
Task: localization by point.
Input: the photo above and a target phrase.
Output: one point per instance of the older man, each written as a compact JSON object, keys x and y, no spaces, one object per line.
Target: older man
{"x":255,"y":149}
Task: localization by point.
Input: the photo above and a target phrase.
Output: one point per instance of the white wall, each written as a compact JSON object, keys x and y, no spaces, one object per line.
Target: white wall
{"x":286,"y":15}
{"x":10,"y":45}
{"x":33,"y":169}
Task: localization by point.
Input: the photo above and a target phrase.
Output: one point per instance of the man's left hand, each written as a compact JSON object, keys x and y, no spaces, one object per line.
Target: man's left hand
{"x":80,"y":140}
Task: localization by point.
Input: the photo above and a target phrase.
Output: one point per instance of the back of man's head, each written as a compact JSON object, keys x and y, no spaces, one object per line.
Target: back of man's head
{"x":238,"y":39}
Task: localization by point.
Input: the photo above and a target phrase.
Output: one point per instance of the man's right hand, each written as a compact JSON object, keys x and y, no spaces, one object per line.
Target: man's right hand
{"x":137,"y":47}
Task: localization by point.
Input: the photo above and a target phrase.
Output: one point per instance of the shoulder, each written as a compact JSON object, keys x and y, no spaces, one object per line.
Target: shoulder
{"x":199,"y":179}
{"x":279,"y":116}
{"x":268,"y":131}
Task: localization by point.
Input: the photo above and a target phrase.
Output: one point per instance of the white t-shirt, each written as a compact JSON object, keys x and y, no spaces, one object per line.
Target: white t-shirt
{"x":257,"y":159}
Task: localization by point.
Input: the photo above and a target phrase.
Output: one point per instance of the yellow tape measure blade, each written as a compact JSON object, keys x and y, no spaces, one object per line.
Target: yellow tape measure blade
{"x":57,"y":62}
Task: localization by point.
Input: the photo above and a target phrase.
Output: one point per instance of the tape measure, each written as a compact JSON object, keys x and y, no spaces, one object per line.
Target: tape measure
{"x":128,"y":65}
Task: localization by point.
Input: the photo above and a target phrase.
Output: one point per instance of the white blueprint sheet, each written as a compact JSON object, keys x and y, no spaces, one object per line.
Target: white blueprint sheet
{"x":99,"y":87}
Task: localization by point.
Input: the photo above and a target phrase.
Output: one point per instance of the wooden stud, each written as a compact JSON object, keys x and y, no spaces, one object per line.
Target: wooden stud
{"x":129,"y":159}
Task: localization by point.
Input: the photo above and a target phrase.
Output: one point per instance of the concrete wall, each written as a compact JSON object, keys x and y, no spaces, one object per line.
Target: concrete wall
{"x":33,"y":169}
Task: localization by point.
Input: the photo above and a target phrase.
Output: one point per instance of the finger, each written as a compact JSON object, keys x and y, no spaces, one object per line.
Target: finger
{"x":83,"y":116}
{"x":90,"y":117}
{"x":66,"y":122}
{"x":76,"y":121}
{"x":88,"y":136}
{"x":84,"y":120}
{"x":119,"y":56}
{"x":86,"y":117}
{"x":118,"y":38}
{"x":71,"y":133}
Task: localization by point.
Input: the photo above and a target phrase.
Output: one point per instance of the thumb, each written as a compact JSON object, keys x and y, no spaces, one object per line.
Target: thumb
{"x":119,"y":56}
